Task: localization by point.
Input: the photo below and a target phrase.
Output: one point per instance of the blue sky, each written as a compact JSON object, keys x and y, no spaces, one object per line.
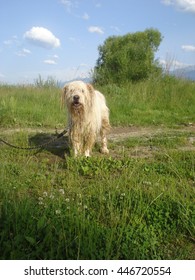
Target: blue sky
{"x":60,"y":38}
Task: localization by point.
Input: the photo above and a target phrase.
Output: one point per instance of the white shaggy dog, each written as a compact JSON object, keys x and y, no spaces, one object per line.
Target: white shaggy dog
{"x":88,"y":116}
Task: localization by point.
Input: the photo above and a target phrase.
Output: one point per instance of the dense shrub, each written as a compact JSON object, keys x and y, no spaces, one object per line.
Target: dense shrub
{"x":128,"y":58}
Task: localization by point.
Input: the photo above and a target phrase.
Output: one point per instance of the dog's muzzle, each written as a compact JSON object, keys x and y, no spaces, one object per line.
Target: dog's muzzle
{"x":76,"y":102}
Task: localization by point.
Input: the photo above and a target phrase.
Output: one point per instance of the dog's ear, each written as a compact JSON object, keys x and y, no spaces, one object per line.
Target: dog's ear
{"x":90,"y":88}
{"x":64,"y":91}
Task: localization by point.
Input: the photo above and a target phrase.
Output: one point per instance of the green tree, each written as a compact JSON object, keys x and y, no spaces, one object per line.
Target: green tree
{"x":128,"y":57}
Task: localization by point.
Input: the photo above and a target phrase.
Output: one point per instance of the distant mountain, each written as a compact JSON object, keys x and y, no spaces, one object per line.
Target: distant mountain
{"x":186,"y":73}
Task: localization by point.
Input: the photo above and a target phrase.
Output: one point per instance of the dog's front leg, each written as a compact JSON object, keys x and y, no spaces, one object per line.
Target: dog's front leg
{"x":87,"y":153}
{"x":76,"y":148}
{"x":75,"y":143}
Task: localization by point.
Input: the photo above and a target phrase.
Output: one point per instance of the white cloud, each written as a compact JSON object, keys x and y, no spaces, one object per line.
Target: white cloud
{"x":50,"y":61}
{"x":183,"y":5}
{"x":23,"y":52}
{"x":7,"y":42}
{"x":13,"y":40}
{"x":69,"y":4}
{"x":26,"y":51}
{"x":85,"y":16}
{"x":95,"y":29}
{"x":172,"y":64}
{"x":188,"y":48}
{"x":178,"y":64}
{"x":42,"y":37}
{"x":162,"y":62}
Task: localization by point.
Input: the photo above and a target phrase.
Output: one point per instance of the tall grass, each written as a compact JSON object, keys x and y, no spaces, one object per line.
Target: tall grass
{"x":167,"y":100}
{"x":156,"y":101}
{"x":30,"y":106}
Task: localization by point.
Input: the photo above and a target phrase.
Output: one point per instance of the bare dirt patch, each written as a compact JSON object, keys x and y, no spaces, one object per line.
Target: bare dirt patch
{"x":119,"y":133}
{"x":38,"y":136}
{"x":116,"y":133}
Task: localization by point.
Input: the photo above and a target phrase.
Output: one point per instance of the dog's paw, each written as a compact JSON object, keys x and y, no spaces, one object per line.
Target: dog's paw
{"x":104,"y":151}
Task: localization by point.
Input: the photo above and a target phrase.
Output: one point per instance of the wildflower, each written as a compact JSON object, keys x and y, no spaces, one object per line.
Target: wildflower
{"x":58,"y":212}
{"x":147,"y":183}
{"x":45,"y":194}
{"x":40,"y":201}
{"x":62,"y":191}
{"x":67,"y":199}
{"x":122,"y":195}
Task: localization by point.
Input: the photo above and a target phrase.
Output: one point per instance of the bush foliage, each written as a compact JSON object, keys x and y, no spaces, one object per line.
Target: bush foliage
{"x":127,"y":58}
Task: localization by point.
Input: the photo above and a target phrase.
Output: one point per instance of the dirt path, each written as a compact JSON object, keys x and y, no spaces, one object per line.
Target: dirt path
{"x":117,"y":134}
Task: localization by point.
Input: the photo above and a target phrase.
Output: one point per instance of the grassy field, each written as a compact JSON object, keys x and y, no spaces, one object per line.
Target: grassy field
{"x":158,"y":101}
{"x":138,"y":203}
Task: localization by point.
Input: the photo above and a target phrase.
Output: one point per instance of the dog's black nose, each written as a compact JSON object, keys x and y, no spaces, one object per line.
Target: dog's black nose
{"x":76,"y":98}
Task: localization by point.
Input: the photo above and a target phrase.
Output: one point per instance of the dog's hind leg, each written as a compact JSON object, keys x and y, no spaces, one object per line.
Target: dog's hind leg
{"x":105,"y":127}
{"x":104,"y":148}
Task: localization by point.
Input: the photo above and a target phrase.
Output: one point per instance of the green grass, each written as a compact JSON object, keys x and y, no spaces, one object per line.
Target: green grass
{"x":166,"y":101}
{"x":29,"y":106}
{"x":115,"y":207}
{"x":138,"y":203}
{"x":158,"y":101}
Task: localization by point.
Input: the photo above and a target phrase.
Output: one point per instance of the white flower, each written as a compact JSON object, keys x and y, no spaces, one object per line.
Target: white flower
{"x":58,"y":212}
{"x":147,"y":183}
{"x":62,"y":191}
